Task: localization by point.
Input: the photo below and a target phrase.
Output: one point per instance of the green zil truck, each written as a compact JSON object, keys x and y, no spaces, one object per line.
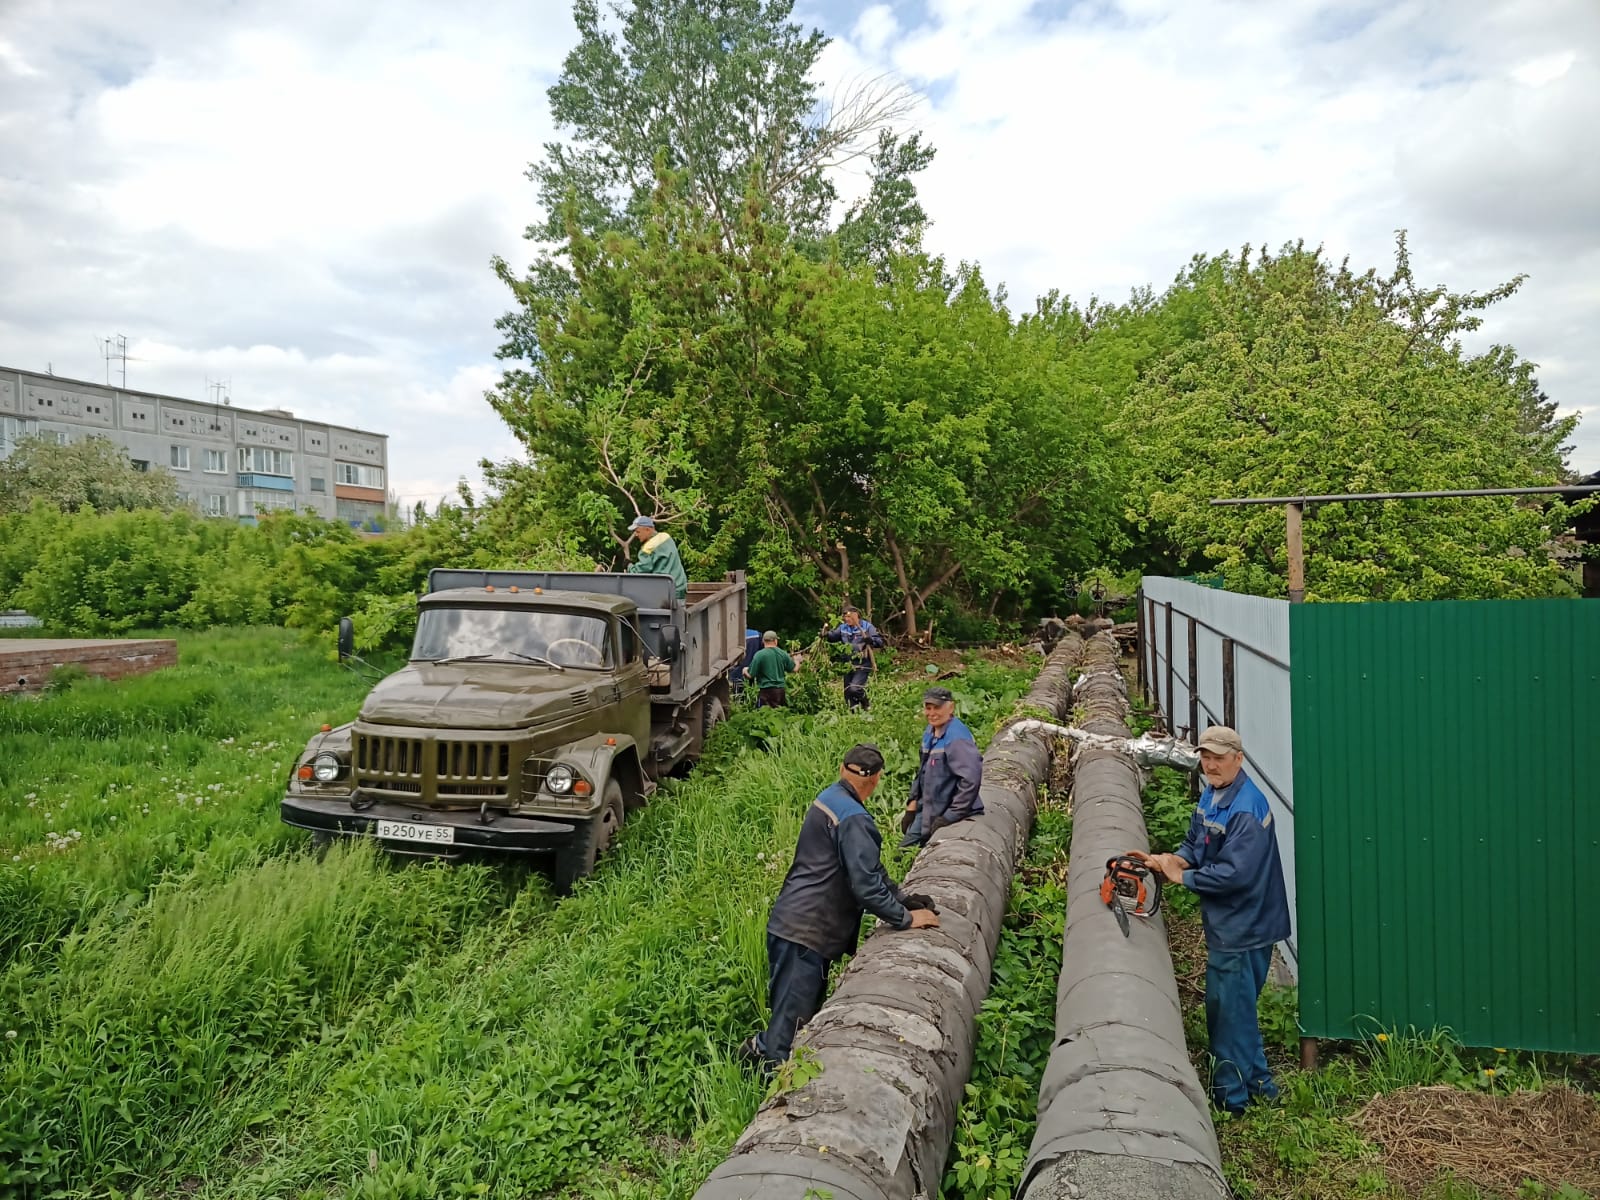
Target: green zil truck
{"x":537,"y":710}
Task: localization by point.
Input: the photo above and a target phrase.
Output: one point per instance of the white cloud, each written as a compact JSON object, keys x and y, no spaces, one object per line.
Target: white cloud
{"x":303,"y":198}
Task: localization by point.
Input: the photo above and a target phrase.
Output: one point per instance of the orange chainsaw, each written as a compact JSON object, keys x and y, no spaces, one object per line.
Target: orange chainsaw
{"x":1130,"y":888}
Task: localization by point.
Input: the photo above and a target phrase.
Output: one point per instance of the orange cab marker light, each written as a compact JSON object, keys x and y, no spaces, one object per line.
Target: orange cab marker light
{"x":305,"y":771}
{"x":611,"y":741}
{"x":582,"y":787}
{"x":488,"y":587}
{"x":513,"y":589}
{"x":538,"y":591}
{"x":327,"y":729}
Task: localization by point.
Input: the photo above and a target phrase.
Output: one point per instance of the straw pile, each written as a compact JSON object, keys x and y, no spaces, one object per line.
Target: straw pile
{"x":1492,"y":1141}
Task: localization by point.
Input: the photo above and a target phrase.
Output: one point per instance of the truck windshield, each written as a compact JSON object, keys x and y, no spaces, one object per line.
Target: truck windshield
{"x":516,"y":635}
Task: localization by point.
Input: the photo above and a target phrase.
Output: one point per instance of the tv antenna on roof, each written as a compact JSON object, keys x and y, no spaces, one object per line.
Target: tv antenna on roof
{"x":115,"y":349}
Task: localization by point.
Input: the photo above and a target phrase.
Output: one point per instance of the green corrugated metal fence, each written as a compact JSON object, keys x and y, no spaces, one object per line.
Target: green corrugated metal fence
{"x":1447,"y":804}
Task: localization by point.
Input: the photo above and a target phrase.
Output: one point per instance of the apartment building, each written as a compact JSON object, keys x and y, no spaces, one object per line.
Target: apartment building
{"x":231,"y":462}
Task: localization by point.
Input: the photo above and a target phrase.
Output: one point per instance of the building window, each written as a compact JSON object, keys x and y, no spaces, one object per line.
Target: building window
{"x":141,"y":464}
{"x":216,"y":462}
{"x":257,"y":460}
{"x":359,"y":512}
{"x":257,"y":498}
{"x":180,"y":458}
{"x":358,"y":476}
{"x":216,"y":506}
{"x":318,"y":484}
{"x":12,"y":431}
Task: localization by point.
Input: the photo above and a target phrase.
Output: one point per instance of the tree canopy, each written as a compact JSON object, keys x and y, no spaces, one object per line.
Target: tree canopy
{"x":91,"y":471}
{"x":1303,"y":377}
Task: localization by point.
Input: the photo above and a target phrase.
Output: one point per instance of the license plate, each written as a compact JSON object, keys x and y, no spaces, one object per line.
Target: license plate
{"x":406,"y":831}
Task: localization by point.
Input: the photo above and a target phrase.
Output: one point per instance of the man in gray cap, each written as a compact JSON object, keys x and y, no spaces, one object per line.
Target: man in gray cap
{"x":658,"y":554}
{"x":948,"y":777}
{"x":769,"y":671}
{"x":1230,"y":860}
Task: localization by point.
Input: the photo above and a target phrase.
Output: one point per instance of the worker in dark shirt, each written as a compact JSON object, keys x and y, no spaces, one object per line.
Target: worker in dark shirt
{"x":837,"y":874}
{"x":1230,"y":860}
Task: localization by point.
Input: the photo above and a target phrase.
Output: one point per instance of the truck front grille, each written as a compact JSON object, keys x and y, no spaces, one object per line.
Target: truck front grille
{"x":443,"y":770}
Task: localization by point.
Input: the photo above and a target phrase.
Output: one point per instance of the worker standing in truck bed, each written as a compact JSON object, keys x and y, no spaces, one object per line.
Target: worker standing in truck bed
{"x":658,"y":554}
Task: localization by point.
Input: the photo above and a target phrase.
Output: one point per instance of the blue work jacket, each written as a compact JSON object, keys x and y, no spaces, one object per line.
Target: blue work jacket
{"x":948,"y":777}
{"x":1233,"y":851}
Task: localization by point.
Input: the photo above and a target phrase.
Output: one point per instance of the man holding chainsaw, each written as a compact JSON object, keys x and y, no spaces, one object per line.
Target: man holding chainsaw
{"x":1230,"y":860}
{"x":837,"y":874}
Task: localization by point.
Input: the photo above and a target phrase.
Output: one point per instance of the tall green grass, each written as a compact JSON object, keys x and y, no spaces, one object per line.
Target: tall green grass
{"x":107,"y":788}
{"x":247,"y":1020}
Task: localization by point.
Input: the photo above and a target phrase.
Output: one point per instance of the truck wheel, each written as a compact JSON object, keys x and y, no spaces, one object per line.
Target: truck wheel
{"x":593,"y":840}
{"x":715,"y":715}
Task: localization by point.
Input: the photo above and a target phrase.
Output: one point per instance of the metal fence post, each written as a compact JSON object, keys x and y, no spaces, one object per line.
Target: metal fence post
{"x":1171,"y":717}
{"x":1230,"y":703}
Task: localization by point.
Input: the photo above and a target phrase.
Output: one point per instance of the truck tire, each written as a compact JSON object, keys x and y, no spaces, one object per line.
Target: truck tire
{"x":590,"y":842}
{"x":715,"y":714}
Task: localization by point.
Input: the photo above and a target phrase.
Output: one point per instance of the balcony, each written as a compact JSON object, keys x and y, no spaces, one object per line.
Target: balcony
{"x":270,"y":483}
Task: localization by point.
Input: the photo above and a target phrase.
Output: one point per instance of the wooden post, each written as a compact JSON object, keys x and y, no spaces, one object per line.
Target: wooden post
{"x":1293,"y":511}
{"x":1308,"y":1054}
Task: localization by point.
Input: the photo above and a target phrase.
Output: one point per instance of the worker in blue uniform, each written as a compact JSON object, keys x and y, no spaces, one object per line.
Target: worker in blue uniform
{"x":837,"y":874}
{"x":1230,"y":860}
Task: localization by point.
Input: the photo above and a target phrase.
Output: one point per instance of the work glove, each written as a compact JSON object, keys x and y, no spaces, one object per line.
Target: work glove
{"x":906,"y":818}
{"x":918,"y":900}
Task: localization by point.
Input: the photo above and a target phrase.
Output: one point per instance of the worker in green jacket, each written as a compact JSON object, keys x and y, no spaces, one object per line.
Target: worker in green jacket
{"x":769,"y":671}
{"x":658,"y":554}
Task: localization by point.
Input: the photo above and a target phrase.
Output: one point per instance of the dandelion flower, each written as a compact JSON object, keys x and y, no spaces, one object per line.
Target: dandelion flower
{"x":1383,"y":1037}
{"x":1499,"y":1049}
{"x":11,"y":1035}
{"x":1489,"y":1071}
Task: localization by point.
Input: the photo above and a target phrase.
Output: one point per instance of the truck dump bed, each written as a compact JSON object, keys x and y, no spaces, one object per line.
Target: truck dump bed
{"x":707,"y":626}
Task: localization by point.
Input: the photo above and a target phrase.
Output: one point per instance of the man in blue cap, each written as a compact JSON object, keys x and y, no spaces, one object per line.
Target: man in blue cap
{"x":948,"y":777}
{"x":658,"y":554}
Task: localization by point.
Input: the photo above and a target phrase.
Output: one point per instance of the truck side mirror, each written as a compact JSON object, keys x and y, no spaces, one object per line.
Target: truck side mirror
{"x":671,"y":642}
{"x":347,"y":638}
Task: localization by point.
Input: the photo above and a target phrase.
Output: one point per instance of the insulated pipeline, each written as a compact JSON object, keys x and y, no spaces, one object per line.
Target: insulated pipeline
{"x":895,"y":1041}
{"x":1121,"y":1111}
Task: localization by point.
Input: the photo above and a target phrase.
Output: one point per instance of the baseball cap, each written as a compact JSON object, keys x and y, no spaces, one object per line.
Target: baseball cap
{"x":643,"y":522}
{"x":864,"y":758}
{"x":1219,"y":739}
{"x":770,"y":635}
{"x":938,"y":695}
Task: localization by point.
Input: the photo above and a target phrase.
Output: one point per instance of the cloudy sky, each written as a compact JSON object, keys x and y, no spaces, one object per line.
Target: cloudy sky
{"x":303,"y":201}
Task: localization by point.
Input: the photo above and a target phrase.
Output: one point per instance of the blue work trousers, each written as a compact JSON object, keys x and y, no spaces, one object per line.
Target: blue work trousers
{"x":1239,"y":1071}
{"x":855,"y":687}
{"x":797,"y":980}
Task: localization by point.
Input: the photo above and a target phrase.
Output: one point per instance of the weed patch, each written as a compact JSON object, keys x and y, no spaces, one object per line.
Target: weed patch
{"x":1016,"y":1025}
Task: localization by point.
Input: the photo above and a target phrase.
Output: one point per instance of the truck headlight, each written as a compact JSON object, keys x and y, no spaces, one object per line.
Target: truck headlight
{"x":560,"y":779}
{"x":325,"y":767}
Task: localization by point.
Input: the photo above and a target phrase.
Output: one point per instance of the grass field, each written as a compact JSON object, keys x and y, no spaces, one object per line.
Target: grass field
{"x":194,"y":1004}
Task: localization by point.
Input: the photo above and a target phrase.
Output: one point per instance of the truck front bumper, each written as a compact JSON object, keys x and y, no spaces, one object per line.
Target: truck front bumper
{"x":503,"y":832}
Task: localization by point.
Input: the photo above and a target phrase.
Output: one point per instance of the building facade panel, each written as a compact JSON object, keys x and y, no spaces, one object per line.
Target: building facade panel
{"x":228,"y":461}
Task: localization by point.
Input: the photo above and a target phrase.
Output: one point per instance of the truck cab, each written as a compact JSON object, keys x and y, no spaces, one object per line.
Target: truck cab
{"x":536,"y":711}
